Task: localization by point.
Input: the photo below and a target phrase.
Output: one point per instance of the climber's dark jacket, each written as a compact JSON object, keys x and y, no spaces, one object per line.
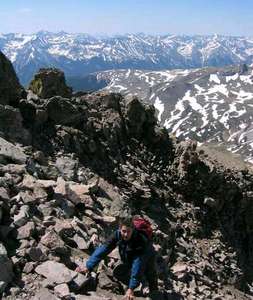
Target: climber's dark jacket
{"x":134,"y":252}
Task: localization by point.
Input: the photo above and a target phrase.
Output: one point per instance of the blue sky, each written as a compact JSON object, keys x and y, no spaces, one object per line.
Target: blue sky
{"x":110,"y":17}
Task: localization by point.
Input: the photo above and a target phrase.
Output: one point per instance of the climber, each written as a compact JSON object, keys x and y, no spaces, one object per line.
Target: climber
{"x":137,"y":255}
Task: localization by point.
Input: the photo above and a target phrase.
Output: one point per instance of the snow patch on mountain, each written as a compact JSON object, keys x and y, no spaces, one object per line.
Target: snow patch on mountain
{"x":214,"y":78}
{"x":233,"y":77}
{"x":160,"y":107}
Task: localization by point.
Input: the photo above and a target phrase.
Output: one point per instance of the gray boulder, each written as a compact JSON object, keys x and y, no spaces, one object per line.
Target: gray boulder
{"x":26,"y":231}
{"x":62,"y":290}
{"x":11,"y":153}
{"x":38,"y":253}
{"x":67,"y":167}
{"x":22,"y":217}
{"x":44,"y":294}
{"x":55,"y":272}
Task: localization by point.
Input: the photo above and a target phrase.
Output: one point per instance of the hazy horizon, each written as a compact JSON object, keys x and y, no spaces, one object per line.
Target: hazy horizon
{"x":184,"y":17}
{"x":101,"y":34}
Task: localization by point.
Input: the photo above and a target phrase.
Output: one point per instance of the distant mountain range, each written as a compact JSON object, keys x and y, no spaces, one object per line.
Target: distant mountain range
{"x":209,"y":105}
{"x":81,"y":54}
{"x":212,"y":103}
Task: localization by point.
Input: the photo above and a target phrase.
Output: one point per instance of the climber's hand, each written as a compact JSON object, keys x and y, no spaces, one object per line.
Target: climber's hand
{"x":129,"y":294}
{"x":82,"y":270}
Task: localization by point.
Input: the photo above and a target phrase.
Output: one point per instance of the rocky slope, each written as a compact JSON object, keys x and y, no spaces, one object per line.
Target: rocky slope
{"x":70,"y":166}
{"x":81,"y":54}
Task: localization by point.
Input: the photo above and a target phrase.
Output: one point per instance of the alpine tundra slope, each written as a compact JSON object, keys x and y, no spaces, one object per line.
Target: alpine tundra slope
{"x":210,"y":105}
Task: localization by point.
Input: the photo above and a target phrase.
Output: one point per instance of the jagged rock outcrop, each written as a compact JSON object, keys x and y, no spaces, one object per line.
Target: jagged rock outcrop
{"x":48,"y":83}
{"x":61,"y":196}
{"x":62,"y":111}
{"x":10,"y":89}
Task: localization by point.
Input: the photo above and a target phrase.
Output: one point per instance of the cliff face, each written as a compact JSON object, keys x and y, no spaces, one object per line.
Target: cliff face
{"x":85,"y":160}
{"x":10,"y":89}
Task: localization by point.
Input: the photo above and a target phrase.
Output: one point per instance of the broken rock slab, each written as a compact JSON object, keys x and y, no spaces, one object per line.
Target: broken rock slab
{"x":11,"y":153}
{"x":26,"y":231}
{"x":62,"y":290}
{"x":22,"y":217}
{"x":55,"y":272}
{"x":96,"y":296}
{"x":38,"y":253}
{"x":83,"y":282}
{"x":53,"y":241}
{"x":44,"y":294}
{"x":67,"y":167}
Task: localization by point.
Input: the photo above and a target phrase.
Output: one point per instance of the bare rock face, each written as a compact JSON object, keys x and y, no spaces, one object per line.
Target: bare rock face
{"x":48,"y":83}
{"x":10,"y":89}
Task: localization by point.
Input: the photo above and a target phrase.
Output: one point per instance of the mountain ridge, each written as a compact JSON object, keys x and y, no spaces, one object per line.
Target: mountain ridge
{"x":81,"y":54}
